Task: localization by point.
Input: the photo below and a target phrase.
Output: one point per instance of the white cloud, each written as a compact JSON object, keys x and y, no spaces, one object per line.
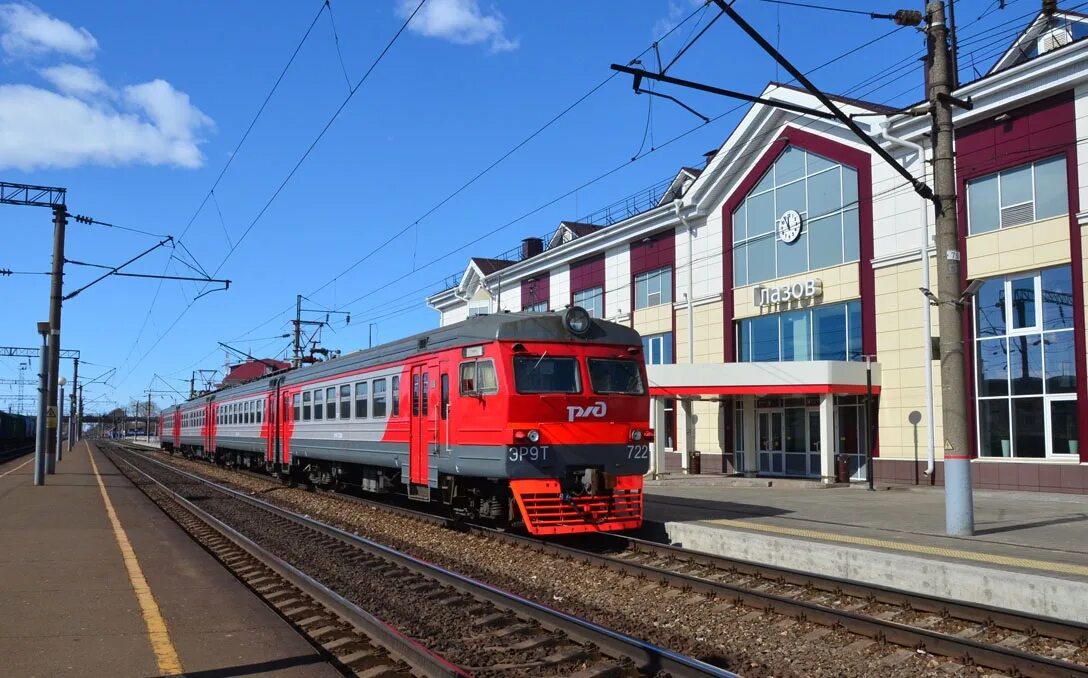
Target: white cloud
{"x":25,"y":30}
{"x":459,"y":21}
{"x":678,"y":10}
{"x":43,"y":129}
{"x":75,"y":80}
{"x":83,"y":120}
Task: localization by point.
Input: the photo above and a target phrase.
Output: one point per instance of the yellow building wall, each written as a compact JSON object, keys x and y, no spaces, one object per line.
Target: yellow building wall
{"x":709,"y":331}
{"x":1019,"y":248}
{"x":653,"y":320}
{"x":1028,"y":247}
{"x":900,"y":347}
{"x":840,"y":283}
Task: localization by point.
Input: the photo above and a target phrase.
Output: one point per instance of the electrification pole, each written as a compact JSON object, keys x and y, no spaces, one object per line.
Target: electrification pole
{"x":959,"y":506}
{"x":43,"y":401}
{"x":72,"y":433}
{"x":60,"y":220}
{"x":296,"y":357}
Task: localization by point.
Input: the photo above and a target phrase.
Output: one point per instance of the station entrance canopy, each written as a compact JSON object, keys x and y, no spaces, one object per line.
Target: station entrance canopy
{"x":761,"y":378}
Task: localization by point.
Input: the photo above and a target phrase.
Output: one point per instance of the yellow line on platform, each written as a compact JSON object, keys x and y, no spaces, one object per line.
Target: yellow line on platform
{"x":16,"y":468}
{"x":990,"y":558}
{"x":165,"y":654}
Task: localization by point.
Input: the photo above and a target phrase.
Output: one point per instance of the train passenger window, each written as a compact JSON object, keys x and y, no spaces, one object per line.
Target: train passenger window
{"x":319,"y":404}
{"x":306,"y":406}
{"x":378,"y":411}
{"x":260,"y":411}
{"x":445,"y":394}
{"x":296,"y":406}
{"x":395,"y":386}
{"x":330,"y":402}
{"x":415,"y":395}
{"x":425,"y":407}
{"x":361,"y":397}
{"x":345,"y":401}
{"x":615,"y":376}
{"x":541,"y":374}
{"x":478,"y":378}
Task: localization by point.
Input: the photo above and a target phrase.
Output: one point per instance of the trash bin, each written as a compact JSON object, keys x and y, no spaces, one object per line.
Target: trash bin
{"x":695,"y":464}
{"x":842,"y":468}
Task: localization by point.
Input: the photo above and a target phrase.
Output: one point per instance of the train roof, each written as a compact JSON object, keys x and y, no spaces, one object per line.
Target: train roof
{"x":506,"y":327}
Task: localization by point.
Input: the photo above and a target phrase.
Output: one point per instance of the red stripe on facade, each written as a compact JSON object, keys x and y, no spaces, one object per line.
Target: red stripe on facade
{"x":587,"y":274}
{"x":1040,"y":130}
{"x":536,"y":289}
{"x":840,"y":153}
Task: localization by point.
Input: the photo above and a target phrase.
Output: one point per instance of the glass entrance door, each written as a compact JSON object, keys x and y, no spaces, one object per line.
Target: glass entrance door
{"x":772,"y":457}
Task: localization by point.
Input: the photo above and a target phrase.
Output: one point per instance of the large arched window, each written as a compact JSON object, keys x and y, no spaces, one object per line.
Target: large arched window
{"x":822,"y":193}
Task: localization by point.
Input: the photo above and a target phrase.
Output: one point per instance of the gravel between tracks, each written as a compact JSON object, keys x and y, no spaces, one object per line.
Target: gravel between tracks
{"x":743,"y":640}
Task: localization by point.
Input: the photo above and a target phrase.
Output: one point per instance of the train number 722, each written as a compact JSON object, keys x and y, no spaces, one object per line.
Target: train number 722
{"x":638,"y":451}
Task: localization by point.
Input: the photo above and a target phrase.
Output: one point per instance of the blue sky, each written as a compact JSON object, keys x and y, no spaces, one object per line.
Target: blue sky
{"x":135,"y":107}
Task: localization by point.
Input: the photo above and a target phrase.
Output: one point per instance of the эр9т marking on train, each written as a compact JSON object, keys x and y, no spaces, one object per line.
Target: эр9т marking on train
{"x":532,"y":418}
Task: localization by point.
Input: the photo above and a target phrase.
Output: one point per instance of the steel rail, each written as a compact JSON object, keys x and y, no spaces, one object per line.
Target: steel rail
{"x":648,"y":657}
{"x":396,"y":643}
{"x":993,"y":656}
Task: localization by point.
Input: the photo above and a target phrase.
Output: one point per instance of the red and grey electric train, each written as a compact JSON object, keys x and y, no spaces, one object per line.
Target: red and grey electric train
{"x":532,"y":418}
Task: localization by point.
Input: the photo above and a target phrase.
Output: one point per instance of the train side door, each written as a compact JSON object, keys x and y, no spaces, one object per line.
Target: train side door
{"x":270,"y":426}
{"x":421,"y":427}
{"x":285,"y":425}
{"x":441,"y":408}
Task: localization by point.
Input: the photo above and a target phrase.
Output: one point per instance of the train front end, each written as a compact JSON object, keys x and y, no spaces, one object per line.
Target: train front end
{"x":579,"y":429}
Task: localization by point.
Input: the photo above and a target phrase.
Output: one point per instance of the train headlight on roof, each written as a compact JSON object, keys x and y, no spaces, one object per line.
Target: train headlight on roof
{"x":577,"y":320}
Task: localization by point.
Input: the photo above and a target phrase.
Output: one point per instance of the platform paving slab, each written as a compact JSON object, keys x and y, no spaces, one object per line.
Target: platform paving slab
{"x":1030,"y":552}
{"x":69,"y":608}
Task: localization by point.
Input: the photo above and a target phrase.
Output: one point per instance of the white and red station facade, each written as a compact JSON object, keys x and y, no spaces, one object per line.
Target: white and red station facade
{"x":762,"y":281}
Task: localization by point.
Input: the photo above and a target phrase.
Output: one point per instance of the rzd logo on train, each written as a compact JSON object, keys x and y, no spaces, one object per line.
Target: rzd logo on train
{"x":599,"y":409}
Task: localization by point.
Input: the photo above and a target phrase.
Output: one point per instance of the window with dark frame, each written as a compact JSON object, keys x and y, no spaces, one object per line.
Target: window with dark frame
{"x":379,"y":406}
{"x":319,"y":404}
{"x":306,"y":406}
{"x":330,"y":402}
{"x":445,"y":395}
{"x":395,"y":388}
{"x":361,"y":400}
{"x":415,"y":395}
{"x":296,"y":406}
{"x":345,"y":401}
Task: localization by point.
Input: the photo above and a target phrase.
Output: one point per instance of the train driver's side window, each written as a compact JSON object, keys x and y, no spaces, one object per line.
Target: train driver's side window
{"x":478,"y":378}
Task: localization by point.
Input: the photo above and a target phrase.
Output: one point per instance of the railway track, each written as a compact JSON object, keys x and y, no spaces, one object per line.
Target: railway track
{"x":1013,"y":642}
{"x":14,"y":452}
{"x":469,"y":626}
{"x":1008,"y":641}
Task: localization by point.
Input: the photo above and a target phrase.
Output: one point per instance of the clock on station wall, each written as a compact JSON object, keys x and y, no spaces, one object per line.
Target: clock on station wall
{"x":789,"y":226}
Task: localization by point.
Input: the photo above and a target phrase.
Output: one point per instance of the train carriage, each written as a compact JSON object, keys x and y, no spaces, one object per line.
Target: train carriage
{"x":533,"y":418}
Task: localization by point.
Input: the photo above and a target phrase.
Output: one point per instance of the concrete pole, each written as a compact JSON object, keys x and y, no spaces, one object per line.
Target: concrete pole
{"x":959,"y":504}
{"x":60,"y":422}
{"x":147,"y":424}
{"x":43,"y":395}
{"x":56,"y":289}
{"x":72,"y":437}
{"x":79,"y":416}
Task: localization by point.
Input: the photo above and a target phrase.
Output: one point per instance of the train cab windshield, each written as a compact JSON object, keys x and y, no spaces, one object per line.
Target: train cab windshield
{"x":610,"y":376}
{"x":545,"y":374}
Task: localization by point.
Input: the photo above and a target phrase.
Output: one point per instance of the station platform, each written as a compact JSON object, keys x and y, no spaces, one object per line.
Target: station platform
{"x":1029,"y":552}
{"x":95,"y":580}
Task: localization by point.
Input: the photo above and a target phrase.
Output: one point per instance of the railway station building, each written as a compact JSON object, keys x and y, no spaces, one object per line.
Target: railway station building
{"x":762,"y":282}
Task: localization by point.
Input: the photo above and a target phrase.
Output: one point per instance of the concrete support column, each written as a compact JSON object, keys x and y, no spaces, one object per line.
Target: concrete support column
{"x":686,"y":435}
{"x":828,"y":442}
{"x":657,"y":447}
{"x":751,"y":458}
